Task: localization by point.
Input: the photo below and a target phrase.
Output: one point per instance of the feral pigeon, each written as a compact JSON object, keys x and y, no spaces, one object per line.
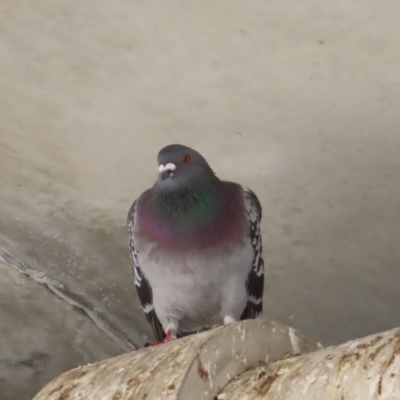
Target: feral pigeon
{"x":195,"y":246}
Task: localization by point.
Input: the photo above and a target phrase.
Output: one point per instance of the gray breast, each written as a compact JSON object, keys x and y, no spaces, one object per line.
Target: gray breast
{"x":196,"y":288}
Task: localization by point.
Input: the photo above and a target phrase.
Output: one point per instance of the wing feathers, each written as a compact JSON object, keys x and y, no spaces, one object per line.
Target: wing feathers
{"x":255,"y":279}
{"x":142,"y":285}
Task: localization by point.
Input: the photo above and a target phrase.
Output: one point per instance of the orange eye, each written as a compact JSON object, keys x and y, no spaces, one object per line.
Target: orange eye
{"x":186,"y":159}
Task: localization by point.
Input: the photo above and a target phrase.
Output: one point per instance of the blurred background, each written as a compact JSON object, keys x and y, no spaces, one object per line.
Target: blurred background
{"x":297,"y":100}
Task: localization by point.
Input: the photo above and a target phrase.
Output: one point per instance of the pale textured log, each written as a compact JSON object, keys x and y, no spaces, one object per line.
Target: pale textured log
{"x":194,"y":368}
{"x":362,"y":369}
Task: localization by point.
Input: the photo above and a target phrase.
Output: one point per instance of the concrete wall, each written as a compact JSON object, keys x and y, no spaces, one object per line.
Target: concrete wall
{"x":297,"y":100}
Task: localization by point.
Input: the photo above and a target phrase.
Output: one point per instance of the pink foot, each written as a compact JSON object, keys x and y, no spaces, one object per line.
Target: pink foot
{"x":168,"y":338}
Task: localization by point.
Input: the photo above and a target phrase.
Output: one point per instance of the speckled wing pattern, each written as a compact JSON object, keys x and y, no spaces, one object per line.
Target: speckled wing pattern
{"x":255,"y":279}
{"x":142,"y":285}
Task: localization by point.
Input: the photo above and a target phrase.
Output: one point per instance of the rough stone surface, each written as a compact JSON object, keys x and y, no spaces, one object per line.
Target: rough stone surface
{"x":362,"y":369}
{"x":196,"y":367}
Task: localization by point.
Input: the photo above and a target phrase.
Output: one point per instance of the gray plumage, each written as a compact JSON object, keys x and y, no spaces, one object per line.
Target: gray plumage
{"x":196,"y":247}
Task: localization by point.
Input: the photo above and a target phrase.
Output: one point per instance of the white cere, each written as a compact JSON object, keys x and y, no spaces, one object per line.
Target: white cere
{"x":169,"y":166}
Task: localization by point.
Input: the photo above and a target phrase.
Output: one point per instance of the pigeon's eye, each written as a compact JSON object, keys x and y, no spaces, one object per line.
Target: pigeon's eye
{"x":186,"y":159}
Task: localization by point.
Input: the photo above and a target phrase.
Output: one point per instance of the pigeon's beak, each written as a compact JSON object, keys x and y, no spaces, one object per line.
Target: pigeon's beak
{"x":166,"y":170}
{"x":166,"y":174}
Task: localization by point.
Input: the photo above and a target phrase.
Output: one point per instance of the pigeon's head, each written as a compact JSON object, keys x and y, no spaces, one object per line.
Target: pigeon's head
{"x":180,"y":166}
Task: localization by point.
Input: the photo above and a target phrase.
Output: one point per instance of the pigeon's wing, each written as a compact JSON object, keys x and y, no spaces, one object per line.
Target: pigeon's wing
{"x":255,"y":279}
{"x":141,"y":283}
